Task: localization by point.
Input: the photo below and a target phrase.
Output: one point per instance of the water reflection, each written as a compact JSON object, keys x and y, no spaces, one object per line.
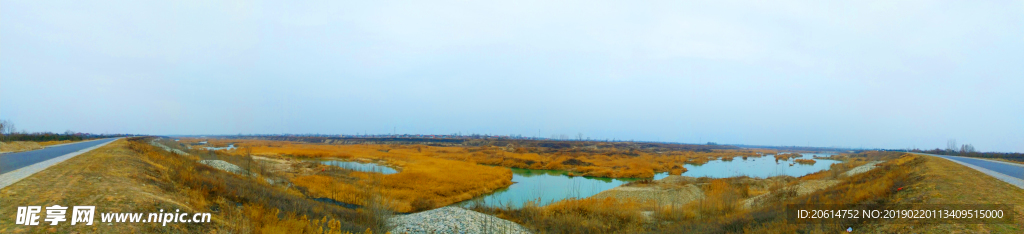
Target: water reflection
{"x":358,"y":166}
{"x":547,"y":186}
{"x":759,"y":167}
{"x":229,"y":147}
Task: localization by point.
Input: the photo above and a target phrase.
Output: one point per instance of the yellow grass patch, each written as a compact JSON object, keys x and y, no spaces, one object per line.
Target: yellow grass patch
{"x":18,"y":146}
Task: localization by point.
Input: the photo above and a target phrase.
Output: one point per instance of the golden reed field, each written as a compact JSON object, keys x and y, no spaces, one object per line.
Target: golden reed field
{"x":434,"y":176}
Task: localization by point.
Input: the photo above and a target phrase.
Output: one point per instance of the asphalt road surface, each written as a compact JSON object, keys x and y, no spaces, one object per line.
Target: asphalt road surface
{"x":13,"y":161}
{"x":1001,"y":167}
{"x":1010,"y":172}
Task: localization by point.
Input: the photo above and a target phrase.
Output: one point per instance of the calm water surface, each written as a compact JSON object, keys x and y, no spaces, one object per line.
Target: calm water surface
{"x":547,"y":186}
{"x":229,"y":147}
{"x":760,"y":167}
{"x":358,"y":166}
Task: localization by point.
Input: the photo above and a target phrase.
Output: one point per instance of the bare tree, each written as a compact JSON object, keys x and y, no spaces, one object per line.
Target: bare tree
{"x":376,"y":204}
{"x":951,"y":146}
{"x":3,"y":129}
{"x":248,"y":160}
{"x":967,"y":149}
{"x":6,"y":129}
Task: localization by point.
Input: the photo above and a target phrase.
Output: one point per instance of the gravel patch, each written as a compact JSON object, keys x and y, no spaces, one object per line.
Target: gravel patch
{"x":862,"y":168}
{"x":808,"y":187}
{"x":226,"y":166}
{"x":168,"y":149}
{"x":452,"y":219}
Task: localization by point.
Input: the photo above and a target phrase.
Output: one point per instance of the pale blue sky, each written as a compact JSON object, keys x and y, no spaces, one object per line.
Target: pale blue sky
{"x":820,"y":73}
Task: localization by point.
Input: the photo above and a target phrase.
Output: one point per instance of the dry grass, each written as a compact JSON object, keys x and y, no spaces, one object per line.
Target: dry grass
{"x":18,"y":146}
{"x":264,"y":208}
{"x":587,"y":215}
{"x":926,"y":181}
{"x":49,"y":143}
{"x":146,"y":179}
{"x":88,"y":179}
{"x":423,"y":183}
{"x":607,"y":161}
{"x":805,"y":161}
{"x":432,"y":176}
{"x":719,"y":211}
{"x":946,"y":182}
{"x":787,"y":156}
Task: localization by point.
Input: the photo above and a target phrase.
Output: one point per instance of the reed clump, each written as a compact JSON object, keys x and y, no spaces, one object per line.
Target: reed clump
{"x":787,"y":156}
{"x":805,"y":161}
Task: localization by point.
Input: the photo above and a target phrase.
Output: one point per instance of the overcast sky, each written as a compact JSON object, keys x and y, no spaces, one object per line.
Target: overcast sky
{"x":891,"y":74}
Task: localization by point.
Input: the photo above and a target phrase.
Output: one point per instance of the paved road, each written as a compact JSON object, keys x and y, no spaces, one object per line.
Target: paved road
{"x":1005,"y":171}
{"x":13,"y":161}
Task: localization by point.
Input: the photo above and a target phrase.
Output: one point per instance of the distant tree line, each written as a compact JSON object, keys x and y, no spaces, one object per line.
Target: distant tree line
{"x":968,"y":150}
{"x":41,"y":136}
{"x":8,"y":133}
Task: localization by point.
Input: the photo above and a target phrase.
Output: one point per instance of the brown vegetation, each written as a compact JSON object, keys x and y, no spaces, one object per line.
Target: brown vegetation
{"x":147,"y":179}
{"x":433,"y":176}
{"x":423,"y":182}
{"x":805,"y":161}
{"x":49,"y":143}
{"x":787,"y":156}
{"x":720,"y":210}
{"x":265,"y":208}
{"x":18,"y":146}
{"x":598,"y":160}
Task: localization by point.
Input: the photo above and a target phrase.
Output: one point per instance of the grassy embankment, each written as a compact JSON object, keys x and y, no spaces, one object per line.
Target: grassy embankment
{"x":133,"y":176}
{"x":903,"y":179}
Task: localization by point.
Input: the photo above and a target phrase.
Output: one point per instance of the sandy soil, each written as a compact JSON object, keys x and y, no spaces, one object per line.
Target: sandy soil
{"x":669,"y":190}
